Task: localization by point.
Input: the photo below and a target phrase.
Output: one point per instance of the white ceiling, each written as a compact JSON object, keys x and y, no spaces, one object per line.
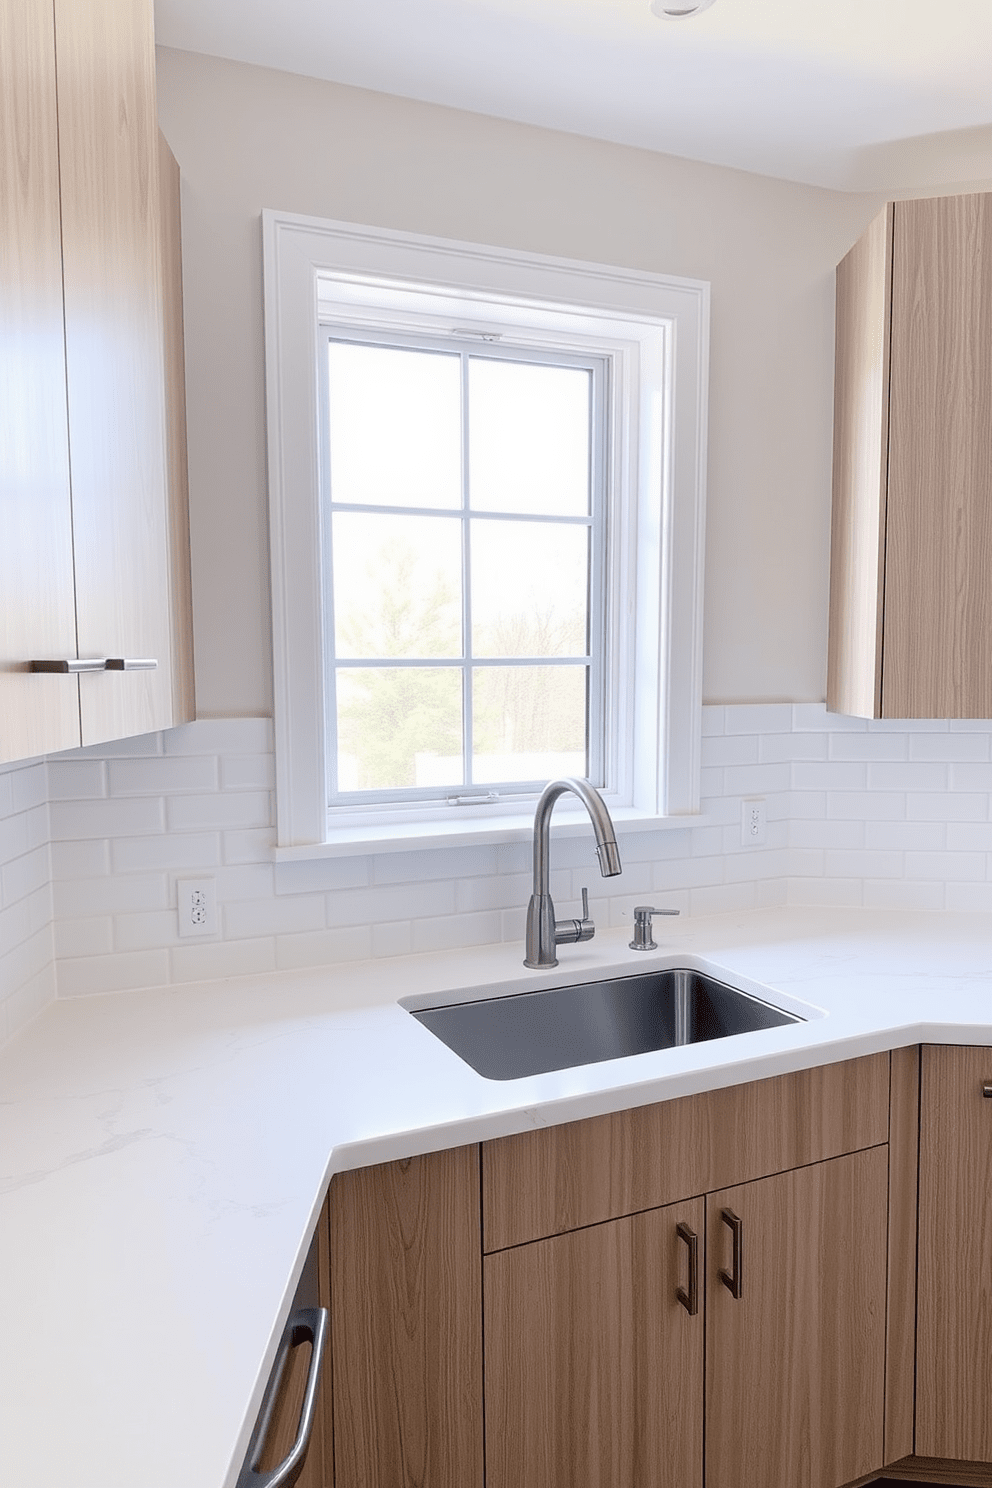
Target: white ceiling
{"x":855,"y":94}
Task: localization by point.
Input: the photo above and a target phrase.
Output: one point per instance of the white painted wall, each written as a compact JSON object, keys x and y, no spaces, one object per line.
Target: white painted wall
{"x":247,"y":137}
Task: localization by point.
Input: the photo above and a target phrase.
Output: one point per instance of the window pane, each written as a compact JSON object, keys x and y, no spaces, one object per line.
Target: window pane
{"x":530,"y":586}
{"x":397,"y":585}
{"x":529,"y":723}
{"x":528,"y":438}
{"x":395,"y":426}
{"x":399,"y":726}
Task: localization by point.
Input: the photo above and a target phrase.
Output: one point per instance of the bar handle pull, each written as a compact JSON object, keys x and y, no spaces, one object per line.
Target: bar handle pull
{"x":987,"y":1090}
{"x":70,"y":664}
{"x":733,"y":1280}
{"x":690,"y":1298}
{"x":131,"y":664}
{"x":308,"y":1325}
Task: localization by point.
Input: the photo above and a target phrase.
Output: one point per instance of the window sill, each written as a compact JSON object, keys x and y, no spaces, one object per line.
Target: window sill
{"x":420,"y":836}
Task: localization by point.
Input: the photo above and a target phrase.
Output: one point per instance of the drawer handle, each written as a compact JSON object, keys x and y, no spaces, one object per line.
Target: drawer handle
{"x":690,"y":1298}
{"x":309,"y":1325}
{"x":70,"y":664}
{"x":733,"y":1280}
{"x":987,"y":1090}
{"x":131,"y":664}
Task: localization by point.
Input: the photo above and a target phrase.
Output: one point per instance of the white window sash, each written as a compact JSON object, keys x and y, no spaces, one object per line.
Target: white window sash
{"x":656,"y":330}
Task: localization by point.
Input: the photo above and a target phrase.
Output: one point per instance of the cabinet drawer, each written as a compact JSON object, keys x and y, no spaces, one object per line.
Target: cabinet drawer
{"x":563,"y":1177}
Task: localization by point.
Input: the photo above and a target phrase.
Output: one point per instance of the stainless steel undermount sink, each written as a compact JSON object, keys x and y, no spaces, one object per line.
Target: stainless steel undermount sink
{"x":531,"y":1033}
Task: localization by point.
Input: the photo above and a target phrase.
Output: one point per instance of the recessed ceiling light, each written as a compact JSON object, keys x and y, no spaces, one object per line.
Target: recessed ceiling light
{"x":678,"y":10}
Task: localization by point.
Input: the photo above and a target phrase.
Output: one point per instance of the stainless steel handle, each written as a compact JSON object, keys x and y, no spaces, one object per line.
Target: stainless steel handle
{"x":733,"y":1280}
{"x":987,"y":1090}
{"x":690,"y":1298}
{"x":131,"y":664}
{"x":570,"y":932}
{"x":308,"y":1325}
{"x":72,"y":664}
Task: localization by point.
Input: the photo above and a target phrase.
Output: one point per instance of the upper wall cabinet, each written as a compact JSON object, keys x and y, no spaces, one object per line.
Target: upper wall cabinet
{"x":911,"y":548}
{"x":94,"y":562}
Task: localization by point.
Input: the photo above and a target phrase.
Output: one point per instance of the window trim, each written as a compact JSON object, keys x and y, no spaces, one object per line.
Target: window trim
{"x":657,"y":329}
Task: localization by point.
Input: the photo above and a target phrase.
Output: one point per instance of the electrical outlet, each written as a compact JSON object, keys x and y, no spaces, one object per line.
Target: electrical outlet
{"x":752,"y":823}
{"x":197,"y":906}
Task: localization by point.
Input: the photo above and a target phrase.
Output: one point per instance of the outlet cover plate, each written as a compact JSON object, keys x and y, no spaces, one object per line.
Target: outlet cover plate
{"x":197,"y":902}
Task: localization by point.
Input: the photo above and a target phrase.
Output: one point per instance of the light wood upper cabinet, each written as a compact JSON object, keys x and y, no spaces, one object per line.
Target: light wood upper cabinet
{"x":911,"y":548}
{"x":954,"y":1326}
{"x":37,"y":611}
{"x":94,"y":555}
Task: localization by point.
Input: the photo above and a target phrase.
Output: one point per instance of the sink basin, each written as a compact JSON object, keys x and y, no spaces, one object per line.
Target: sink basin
{"x":530,"y":1033}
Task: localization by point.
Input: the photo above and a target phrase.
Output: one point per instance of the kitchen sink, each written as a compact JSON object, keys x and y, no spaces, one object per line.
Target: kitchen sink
{"x":531,"y":1033}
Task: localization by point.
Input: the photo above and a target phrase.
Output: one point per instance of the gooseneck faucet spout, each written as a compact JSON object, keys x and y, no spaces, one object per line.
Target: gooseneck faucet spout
{"x":544,"y":932}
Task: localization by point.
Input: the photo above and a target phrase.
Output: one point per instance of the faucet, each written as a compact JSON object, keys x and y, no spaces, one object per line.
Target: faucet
{"x":544,"y":932}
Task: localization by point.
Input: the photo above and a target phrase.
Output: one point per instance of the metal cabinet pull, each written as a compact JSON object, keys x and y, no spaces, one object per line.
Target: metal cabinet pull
{"x":308,"y":1325}
{"x":987,"y":1090}
{"x":131,"y":664}
{"x":734,"y":1280}
{"x":72,"y":664}
{"x":690,"y":1298}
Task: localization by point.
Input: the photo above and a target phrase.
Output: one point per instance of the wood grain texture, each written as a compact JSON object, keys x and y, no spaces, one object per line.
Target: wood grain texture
{"x":900,"y":1324}
{"x":108,"y":141}
{"x":938,"y":598}
{"x":183,"y":694}
{"x":594,"y":1371}
{"x":562,"y":1177}
{"x":954,"y":1333}
{"x":938,"y":1470}
{"x":406,"y":1299}
{"x":795,"y":1368}
{"x":857,"y":530}
{"x":38,"y":713}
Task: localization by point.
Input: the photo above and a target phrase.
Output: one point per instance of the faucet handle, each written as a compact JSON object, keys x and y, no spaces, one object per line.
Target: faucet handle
{"x":643,"y":938}
{"x":570,"y":932}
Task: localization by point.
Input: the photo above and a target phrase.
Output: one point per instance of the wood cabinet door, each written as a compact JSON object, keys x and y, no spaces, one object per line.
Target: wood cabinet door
{"x":954,"y":1316}
{"x":406,"y":1324}
{"x":113,"y":286}
{"x":795,"y":1366}
{"x":594,"y":1369}
{"x":38,"y":712}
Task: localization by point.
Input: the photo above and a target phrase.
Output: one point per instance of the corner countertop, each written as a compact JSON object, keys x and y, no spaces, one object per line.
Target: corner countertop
{"x":164,"y":1154}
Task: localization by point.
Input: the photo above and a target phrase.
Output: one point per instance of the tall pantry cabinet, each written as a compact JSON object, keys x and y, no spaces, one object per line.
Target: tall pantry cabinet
{"x":95,"y":632}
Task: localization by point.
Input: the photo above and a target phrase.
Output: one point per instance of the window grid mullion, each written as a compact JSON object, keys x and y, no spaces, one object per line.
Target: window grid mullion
{"x":468,"y":712}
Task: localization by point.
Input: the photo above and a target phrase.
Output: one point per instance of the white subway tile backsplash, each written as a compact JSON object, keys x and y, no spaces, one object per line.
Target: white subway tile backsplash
{"x":881,"y":813}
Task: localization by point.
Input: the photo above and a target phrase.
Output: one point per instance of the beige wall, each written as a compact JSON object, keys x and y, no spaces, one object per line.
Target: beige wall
{"x":248,"y":138}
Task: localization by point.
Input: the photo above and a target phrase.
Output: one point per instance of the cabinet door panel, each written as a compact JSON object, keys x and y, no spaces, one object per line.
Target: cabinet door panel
{"x":954,"y":1328}
{"x":38,"y":713}
{"x":796,"y":1365}
{"x":406,"y":1323}
{"x":938,"y":599}
{"x":593,"y":1367}
{"x":108,"y":138}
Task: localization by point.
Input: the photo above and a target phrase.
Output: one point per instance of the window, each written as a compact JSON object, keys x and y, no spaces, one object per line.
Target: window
{"x":486,"y":511}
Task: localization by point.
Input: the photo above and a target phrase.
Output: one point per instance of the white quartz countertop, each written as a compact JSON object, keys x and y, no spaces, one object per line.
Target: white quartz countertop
{"x":164,"y":1154}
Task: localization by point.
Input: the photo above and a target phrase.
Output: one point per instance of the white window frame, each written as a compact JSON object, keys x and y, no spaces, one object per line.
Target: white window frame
{"x":655,"y":329}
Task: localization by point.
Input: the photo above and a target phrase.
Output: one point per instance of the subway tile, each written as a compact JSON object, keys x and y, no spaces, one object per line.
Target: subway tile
{"x":908,"y":725}
{"x":875,"y":805}
{"x":710,"y":783}
{"x":730,"y":749}
{"x":235,"y":809}
{"x":29,"y":787}
{"x":145,"y":932}
{"x":964,"y":748}
{"x":757,"y":780}
{"x":394,"y":938}
{"x":323,"y":947}
{"x":91,"y":935}
{"x":968,"y":836}
{"x":307,"y":875}
{"x":907,"y":777}
{"x":21,"y":1006}
{"x":220,"y":736}
{"x":513,"y":925}
{"x":111,"y":894}
{"x":6,"y":793}
{"x":807,"y":862}
{"x":77,"y":780}
{"x":758,"y":718}
{"x":839,"y":835}
{"x":141,"y":816}
{"x":143,"y":745}
{"x":286,"y":916}
{"x":900,"y":893}
{"x":208,"y":960}
{"x":829,"y":776}
{"x":864,"y":864}
{"x":815,"y":716}
{"x":78,"y":976}
{"x":85,"y":858}
{"x":247,"y":772}
{"x":826,"y":893}
{"x":438,"y":862}
{"x":721,"y":898}
{"x":945,"y":807}
{"x":691,"y":874}
{"x":245,"y":881}
{"x":970,"y":897}
{"x":868,"y":746}
{"x":162,"y":777}
{"x":251,"y":845}
{"x":950,"y":867}
{"x":713,"y":716}
{"x":14,"y":837}
{"x":789,"y":747}
{"x":913,"y":836}
{"x":403,"y":902}
{"x":170,"y":850}
{"x":971,"y":777}
{"x":970,"y":726}
{"x":447,"y":932}
{"x":501,"y":892}
{"x":806,"y":805}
